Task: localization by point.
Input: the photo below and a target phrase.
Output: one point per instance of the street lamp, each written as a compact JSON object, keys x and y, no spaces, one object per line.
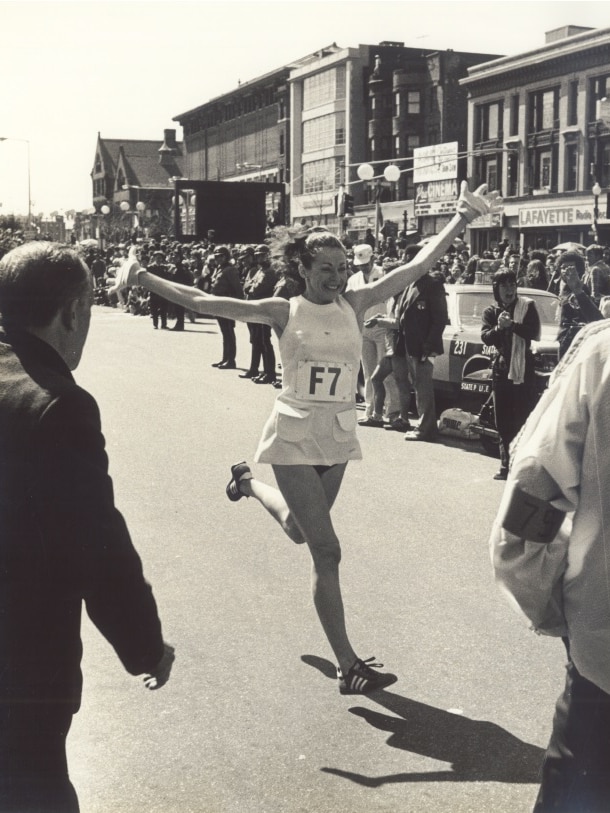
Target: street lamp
{"x":391,"y":173}
{"x":24,"y":141}
{"x":597,"y":190}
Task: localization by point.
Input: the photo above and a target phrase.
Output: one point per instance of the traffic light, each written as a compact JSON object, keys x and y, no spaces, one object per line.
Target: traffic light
{"x":348,"y":204}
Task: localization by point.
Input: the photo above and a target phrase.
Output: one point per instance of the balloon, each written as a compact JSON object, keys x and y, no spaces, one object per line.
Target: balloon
{"x":391,"y":173}
{"x":365,"y":172}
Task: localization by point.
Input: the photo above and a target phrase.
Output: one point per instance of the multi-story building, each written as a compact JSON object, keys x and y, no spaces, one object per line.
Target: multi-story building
{"x":373,"y":103}
{"x":242,"y":135}
{"x":539,"y":131}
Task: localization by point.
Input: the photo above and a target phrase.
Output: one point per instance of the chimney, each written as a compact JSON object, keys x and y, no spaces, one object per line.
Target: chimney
{"x":169,"y":148}
{"x":564,"y":32}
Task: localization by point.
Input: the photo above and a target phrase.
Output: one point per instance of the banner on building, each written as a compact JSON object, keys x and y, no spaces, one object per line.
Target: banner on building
{"x":437,"y":162}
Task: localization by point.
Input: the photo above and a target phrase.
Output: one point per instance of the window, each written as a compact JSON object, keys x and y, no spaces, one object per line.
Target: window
{"x":412,"y":142}
{"x":281,"y":109}
{"x":413,"y":102}
{"x":281,"y":143}
{"x":542,"y":168}
{"x":573,"y":103}
{"x":599,"y":87}
{"x":396,"y":146}
{"x":604,"y":178}
{"x":321,"y":175}
{"x":324,"y":87}
{"x":325,"y":131}
{"x":512,"y":175}
{"x":488,"y":122}
{"x":397,"y":103}
{"x":514,"y":115}
{"x":571,"y":168}
{"x":544,"y":110}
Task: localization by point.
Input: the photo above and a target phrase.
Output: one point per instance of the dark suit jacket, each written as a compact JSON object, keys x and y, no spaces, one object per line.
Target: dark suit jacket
{"x":422,"y":317}
{"x":62,"y":541}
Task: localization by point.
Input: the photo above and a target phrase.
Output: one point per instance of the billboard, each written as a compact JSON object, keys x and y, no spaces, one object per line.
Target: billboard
{"x":437,"y":162}
{"x":234,"y":212}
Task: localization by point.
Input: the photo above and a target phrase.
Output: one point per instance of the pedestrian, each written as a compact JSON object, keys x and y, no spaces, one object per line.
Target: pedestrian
{"x":311,"y":433}
{"x":157,"y":304}
{"x":422,"y":318}
{"x":577,"y":307}
{"x":598,"y":273}
{"x":62,"y":540}
{"x":366,"y":271}
{"x":226,"y":283}
{"x":510,"y":326}
{"x":550,"y":550}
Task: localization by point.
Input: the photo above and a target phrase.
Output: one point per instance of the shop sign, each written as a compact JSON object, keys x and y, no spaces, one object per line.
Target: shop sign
{"x":554,"y":216}
{"x":437,"y":162}
{"x":359,"y":222}
{"x":493,"y":220}
{"x":436,"y":197}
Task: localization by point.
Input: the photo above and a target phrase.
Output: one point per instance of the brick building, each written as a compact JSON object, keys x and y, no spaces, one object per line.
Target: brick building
{"x":539,"y":130}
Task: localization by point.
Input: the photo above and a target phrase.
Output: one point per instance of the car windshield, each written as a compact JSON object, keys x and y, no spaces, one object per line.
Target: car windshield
{"x":472,"y":304}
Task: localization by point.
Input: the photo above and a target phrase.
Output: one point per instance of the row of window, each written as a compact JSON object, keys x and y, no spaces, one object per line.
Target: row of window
{"x":542,"y":110}
{"x":323,"y":132}
{"x":543,"y":169}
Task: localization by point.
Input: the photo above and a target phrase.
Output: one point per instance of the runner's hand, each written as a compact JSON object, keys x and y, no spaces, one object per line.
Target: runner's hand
{"x":127,"y":274}
{"x":160,"y":674}
{"x":480,"y":202}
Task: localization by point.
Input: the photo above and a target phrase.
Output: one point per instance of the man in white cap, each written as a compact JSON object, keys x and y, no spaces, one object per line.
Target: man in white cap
{"x":373,"y":339}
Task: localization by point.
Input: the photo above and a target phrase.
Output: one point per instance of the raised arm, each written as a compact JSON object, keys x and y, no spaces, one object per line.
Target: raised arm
{"x":469,"y":206}
{"x":273,"y":312}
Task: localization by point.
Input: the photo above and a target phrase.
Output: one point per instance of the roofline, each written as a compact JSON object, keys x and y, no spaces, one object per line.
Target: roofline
{"x":568,"y":46}
{"x":251,"y":82}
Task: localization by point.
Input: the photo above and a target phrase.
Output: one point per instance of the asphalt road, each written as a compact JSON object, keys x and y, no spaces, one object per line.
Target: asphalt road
{"x":252,"y":721}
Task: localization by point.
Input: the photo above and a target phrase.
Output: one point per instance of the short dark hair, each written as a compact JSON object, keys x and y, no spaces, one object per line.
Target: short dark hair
{"x":37,"y":279}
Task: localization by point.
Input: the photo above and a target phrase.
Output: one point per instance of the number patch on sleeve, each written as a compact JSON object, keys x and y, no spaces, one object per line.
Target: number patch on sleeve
{"x":324,"y":381}
{"x":531,"y":518}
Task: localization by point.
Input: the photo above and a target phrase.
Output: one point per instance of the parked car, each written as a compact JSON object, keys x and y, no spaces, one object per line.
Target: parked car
{"x":462,"y":336}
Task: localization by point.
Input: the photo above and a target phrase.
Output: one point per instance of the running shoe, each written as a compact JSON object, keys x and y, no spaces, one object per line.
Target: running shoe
{"x":362,"y":678}
{"x":239,"y":471}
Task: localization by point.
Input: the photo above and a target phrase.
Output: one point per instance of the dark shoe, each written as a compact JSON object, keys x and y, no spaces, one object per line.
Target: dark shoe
{"x":227,"y":365}
{"x":501,"y":475}
{"x":239,"y":471}
{"x":156,"y":327}
{"x":359,"y":398}
{"x":164,"y":327}
{"x":250,"y":374}
{"x":178,"y":327}
{"x":219,"y":363}
{"x":417,"y":435}
{"x":264,"y":379}
{"x":398,"y":425}
{"x":362,"y":678}
{"x":277,"y":384}
{"x":370,"y":422}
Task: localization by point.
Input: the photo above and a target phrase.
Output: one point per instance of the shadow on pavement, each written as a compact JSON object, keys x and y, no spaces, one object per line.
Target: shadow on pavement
{"x":477,"y":750}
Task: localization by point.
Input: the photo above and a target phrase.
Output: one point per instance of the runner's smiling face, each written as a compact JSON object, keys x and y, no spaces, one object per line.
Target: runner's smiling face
{"x":325,"y":280}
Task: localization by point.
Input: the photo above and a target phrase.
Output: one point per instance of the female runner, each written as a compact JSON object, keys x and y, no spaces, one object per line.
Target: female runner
{"x":311,"y":433}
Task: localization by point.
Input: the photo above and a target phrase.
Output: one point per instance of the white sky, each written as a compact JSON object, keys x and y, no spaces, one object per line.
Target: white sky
{"x":125,"y":69}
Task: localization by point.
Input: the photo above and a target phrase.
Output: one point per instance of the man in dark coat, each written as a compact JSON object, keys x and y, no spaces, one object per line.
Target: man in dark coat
{"x":422,"y":317}
{"x":62,"y":541}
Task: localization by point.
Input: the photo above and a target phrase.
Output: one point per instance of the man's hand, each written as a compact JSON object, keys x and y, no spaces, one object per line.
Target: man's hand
{"x":504,"y":320}
{"x":160,"y":674}
{"x":474,"y":204}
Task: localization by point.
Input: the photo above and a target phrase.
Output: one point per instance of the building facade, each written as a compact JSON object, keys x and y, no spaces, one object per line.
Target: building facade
{"x":133,"y":186}
{"x":372,"y":104}
{"x":539,"y":131}
{"x":242,"y":135}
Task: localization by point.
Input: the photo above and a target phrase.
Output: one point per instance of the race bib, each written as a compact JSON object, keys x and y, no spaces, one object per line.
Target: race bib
{"x":324,"y":381}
